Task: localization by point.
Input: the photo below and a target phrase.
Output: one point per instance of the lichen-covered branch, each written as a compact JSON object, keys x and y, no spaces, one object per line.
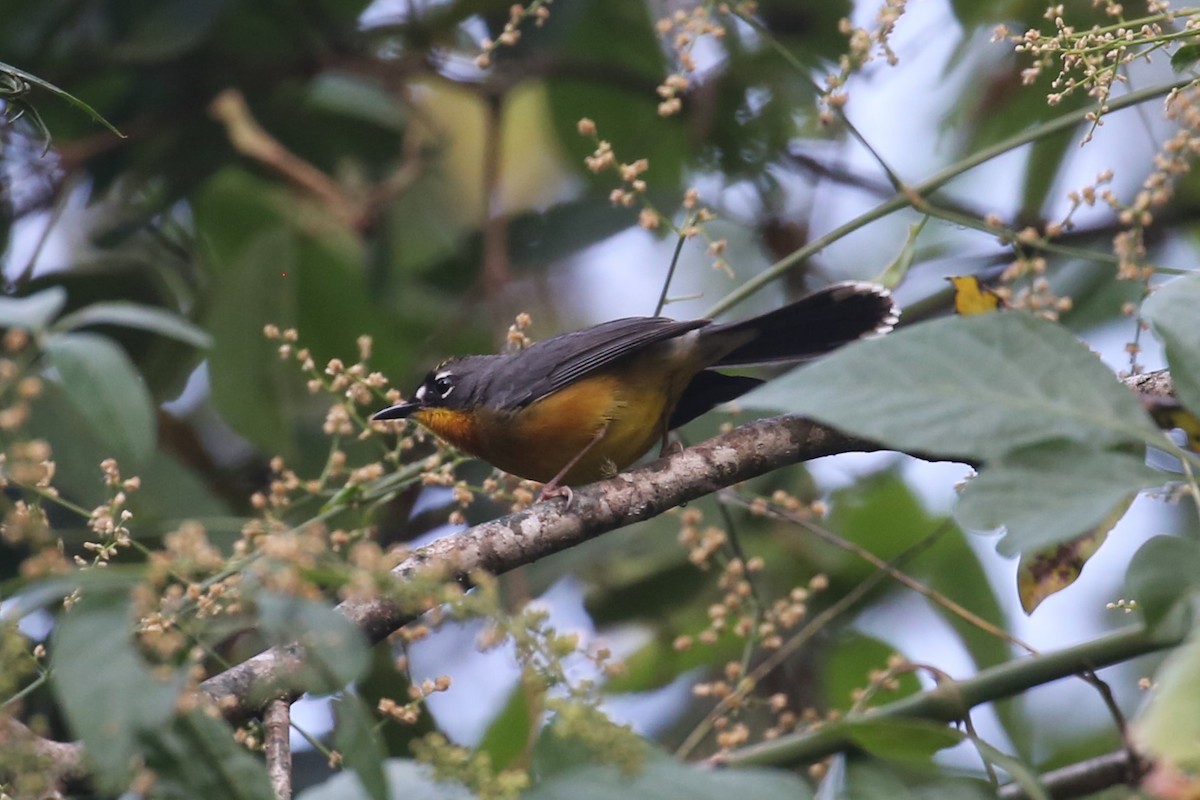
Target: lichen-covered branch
{"x":503,"y":544}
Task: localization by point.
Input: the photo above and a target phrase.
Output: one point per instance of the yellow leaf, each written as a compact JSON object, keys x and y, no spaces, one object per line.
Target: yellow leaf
{"x":1044,"y":572}
{"x":972,"y":297}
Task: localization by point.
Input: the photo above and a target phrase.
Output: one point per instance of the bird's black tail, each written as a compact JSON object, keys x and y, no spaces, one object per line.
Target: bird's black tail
{"x":811,"y":326}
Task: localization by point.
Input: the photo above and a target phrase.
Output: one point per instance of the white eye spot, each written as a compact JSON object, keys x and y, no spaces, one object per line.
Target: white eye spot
{"x":443,"y":384}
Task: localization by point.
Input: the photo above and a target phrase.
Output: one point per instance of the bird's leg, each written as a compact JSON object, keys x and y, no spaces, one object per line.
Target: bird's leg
{"x":552,"y":489}
{"x":669,"y":447}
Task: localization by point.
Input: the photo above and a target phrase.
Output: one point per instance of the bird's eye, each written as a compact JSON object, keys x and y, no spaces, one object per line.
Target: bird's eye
{"x":443,"y":385}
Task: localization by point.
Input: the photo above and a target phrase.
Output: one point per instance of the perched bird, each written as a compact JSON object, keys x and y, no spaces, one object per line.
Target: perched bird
{"x":580,"y":406}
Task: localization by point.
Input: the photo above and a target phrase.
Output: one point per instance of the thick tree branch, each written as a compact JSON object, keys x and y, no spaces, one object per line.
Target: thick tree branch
{"x":60,"y":763}
{"x":503,"y":544}
{"x":746,"y":452}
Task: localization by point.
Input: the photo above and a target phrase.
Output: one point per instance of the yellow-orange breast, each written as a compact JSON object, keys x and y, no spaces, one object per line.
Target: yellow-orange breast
{"x":537,"y":441}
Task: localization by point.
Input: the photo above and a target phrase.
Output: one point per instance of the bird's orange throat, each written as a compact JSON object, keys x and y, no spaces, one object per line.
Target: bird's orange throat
{"x":459,"y":428}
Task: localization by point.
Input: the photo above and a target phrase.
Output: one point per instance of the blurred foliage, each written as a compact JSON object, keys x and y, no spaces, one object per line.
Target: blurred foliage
{"x":351,"y":170}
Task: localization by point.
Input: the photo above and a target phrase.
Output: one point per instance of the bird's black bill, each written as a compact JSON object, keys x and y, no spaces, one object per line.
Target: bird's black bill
{"x":398,"y":411}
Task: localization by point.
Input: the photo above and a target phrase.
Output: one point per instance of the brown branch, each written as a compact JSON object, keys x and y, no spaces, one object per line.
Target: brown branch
{"x":506,"y":543}
{"x":512,"y":541}
{"x":277,"y":747}
{"x":503,"y":544}
{"x":56,"y":763}
{"x":252,"y":140}
{"x":1085,"y":778}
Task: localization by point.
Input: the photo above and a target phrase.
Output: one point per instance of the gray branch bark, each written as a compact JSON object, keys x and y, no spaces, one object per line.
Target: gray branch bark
{"x":503,"y":544}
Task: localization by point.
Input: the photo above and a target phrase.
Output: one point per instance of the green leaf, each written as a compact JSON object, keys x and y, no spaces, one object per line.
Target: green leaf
{"x":357,"y":97}
{"x":509,"y":733}
{"x":70,"y":98}
{"x":906,"y":740}
{"x":197,"y":756}
{"x":1163,"y":574}
{"x":249,"y":384}
{"x":107,"y":390}
{"x":1051,"y":493}
{"x":136,"y":315}
{"x":406,"y":780}
{"x":625,"y":115}
{"x":968,"y":387}
{"x":33,"y":313}
{"x":1022,"y":774}
{"x":1169,"y":728}
{"x":110,"y":697}
{"x":665,"y":779}
{"x":1172,"y":313}
{"x":355,"y":738}
{"x":1045,"y":571}
{"x":168,"y":30}
{"x":336,"y":651}
{"x":1185,"y":58}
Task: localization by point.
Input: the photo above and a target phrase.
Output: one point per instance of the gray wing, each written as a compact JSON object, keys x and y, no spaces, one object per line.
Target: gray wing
{"x":548,"y":366}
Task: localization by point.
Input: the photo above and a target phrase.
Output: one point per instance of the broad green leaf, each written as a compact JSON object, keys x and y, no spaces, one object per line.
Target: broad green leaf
{"x":406,"y":780}
{"x":50,"y":591}
{"x":136,"y":315}
{"x":285,"y":263}
{"x":106,"y":389}
{"x":250,"y":384}
{"x":1049,"y":570}
{"x":196,"y":756}
{"x":665,"y":779}
{"x":906,"y":740}
{"x":35,"y":312}
{"x":1186,"y":57}
{"x":1051,"y":493}
{"x":508,"y":736}
{"x":879,"y":513}
{"x":110,"y":697}
{"x":358,"y":97}
{"x":867,"y":778}
{"x":336,"y":652}
{"x":1164,"y":572}
{"x":1169,"y":728}
{"x":1172,"y":311}
{"x":355,"y":738}
{"x":965,"y":387}
{"x":625,"y":116}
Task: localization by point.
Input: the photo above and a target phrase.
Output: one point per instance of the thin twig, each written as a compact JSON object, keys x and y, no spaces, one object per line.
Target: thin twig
{"x":1085,"y":778}
{"x":800,"y":638}
{"x":250,"y":139}
{"x":949,"y":701}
